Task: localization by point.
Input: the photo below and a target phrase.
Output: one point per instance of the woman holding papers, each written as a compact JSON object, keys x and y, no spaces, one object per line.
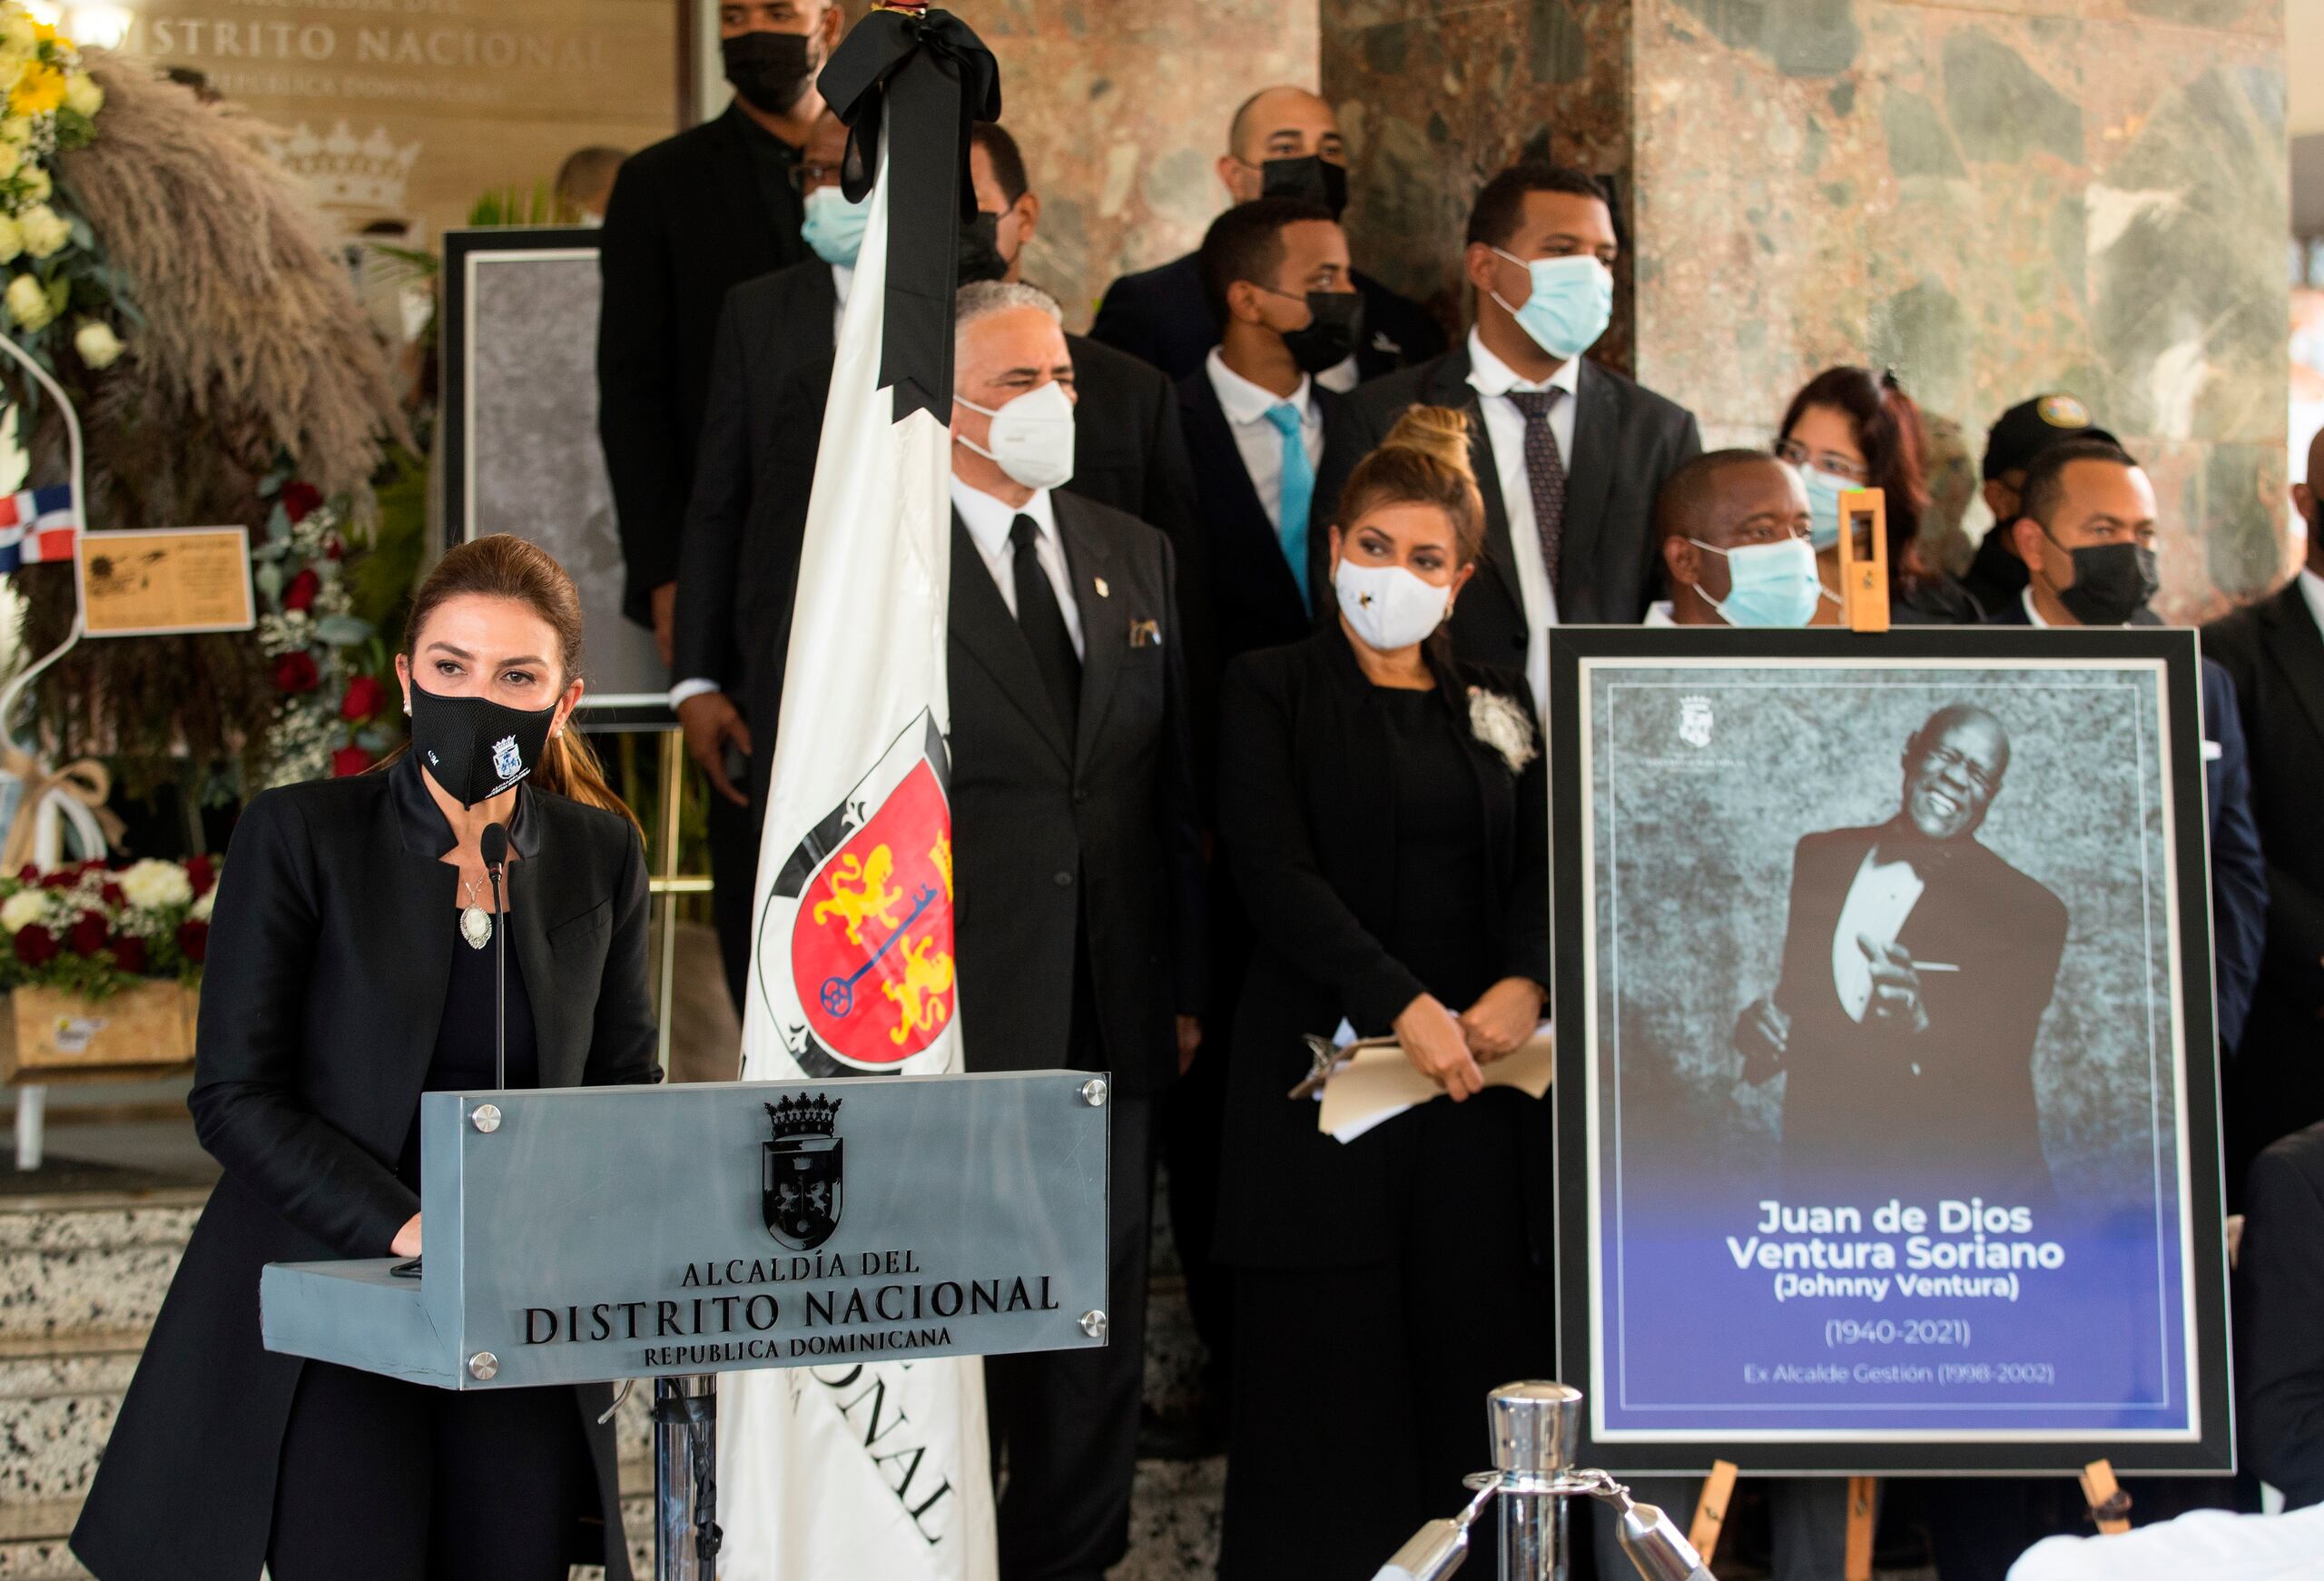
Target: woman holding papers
{"x":348,"y":973}
{"x":1385,"y":811}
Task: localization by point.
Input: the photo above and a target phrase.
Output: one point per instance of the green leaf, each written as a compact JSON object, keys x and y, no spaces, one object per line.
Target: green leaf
{"x":343,"y":630}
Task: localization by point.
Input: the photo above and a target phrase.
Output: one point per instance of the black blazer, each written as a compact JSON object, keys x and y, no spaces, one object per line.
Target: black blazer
{"x":1091,"y":841}
{"x":1627,"y":442}
{"x":2279,"y":1293}
{"x":747,"y":526}
{"x":1307,"y":823}
{"x":1960,"y":1094}
{"x":1163,"y":316}
{"x":688,"y":220}
{"x":330,"y":955}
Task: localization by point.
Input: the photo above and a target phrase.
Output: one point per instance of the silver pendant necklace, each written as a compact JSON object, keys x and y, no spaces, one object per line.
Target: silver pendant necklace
{"x":476,"y":923}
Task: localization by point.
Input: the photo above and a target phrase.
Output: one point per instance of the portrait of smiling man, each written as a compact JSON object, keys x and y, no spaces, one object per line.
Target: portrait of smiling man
{"x":1917,"y":966}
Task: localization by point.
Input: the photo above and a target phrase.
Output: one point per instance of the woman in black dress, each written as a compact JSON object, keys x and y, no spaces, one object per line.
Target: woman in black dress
{"x":1385,"y":813}
{"x":347,"y":974}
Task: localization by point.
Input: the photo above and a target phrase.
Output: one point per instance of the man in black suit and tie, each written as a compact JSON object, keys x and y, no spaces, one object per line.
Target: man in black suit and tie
{"x":2273,"y":653}
{"x":746,"y":520}
{"x":1074,"y":839}
{"x":1569,"y":456}
{"x":1283,"y":141}
{"x":2279,"y":1292}
{"x":1916,"y":965}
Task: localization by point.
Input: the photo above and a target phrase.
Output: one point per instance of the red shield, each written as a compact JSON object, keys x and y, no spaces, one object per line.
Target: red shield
{"x":871,"y":943}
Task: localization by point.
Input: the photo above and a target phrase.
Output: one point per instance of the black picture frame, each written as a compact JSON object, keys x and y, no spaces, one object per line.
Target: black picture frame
{"x":627,"y":691}
{"x":2206,"y":1443}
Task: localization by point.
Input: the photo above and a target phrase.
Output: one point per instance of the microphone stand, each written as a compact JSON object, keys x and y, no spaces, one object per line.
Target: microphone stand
{"x":495,"y":844}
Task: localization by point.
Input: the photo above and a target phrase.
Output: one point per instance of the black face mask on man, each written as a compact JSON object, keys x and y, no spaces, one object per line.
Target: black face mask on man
{"x":1312,"y":177}
{"x":772,"y":70}
{"x":474,"y":747}
{"x":1335,"y":328}
{"x":2111,"y":582}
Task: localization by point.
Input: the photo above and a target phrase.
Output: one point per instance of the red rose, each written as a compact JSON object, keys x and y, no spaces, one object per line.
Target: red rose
{"x":194,"y":939}
{"x":36,"y":946}
{"x":365,"y":696}
{"x":349,"y":761}
{"x":63,"y":878}
{"x":27,"y":874}
{"x":112,"y":894}
{"x":300,"y":593}
{"x":128,"y":953}
{"x":200,"y":873}
{"x":90,"y":933}
{"x":296,"y":672}
{"x":334,"y":546}
{"x":299,"y":499}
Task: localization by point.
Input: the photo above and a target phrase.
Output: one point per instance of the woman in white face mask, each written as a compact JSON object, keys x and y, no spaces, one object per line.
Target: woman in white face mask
{"x":1384,"y":819}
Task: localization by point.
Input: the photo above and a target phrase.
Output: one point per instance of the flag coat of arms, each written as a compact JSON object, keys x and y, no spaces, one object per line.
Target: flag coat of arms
{"x":849,"y":1471}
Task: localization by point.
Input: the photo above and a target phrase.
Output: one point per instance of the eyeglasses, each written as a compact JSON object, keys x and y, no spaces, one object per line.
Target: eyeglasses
{"x":1838,"y":466}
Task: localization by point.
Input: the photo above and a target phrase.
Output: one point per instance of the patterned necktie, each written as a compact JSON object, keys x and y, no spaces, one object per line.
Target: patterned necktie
{"x":1043,"y":624}
{"x":1545,"y":472}
{"x":1296,"y":494}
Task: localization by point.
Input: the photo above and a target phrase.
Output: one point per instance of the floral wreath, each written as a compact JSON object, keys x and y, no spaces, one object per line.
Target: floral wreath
{"x":54,"y":265}
{"x":330,"y":713}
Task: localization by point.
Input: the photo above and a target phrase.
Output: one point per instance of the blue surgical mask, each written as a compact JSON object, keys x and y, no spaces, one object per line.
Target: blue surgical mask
{"x":835,"y":227}
{"x":1823,"y":492}
{"x":1572,"y":303}
{"x":1767,"y":584}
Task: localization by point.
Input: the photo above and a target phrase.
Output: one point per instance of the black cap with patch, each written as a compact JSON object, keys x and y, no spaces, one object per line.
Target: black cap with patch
{"x":2031,"y":427}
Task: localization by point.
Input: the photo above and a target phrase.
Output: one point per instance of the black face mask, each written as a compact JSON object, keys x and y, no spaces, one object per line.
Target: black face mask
{"x":2111,"y":582}
{"x":473,"y":747}
{"x":981,"y":256}
{"x":771,"y":70}
{"x":1334,"y":329}
{"x":1312,"y":177}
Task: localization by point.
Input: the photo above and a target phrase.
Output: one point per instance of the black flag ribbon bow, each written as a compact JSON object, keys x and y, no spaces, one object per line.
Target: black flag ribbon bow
{"x":935,"y":79}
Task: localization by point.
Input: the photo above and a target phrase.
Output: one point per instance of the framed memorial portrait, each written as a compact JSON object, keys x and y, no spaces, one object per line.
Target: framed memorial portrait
{"x":1886,"y":1094}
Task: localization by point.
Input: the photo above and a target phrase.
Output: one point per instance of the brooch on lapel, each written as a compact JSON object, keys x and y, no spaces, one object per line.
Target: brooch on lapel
{"x":1146,"y":634}
{"x":1502,"y":726}
{"x":1103,"y":590}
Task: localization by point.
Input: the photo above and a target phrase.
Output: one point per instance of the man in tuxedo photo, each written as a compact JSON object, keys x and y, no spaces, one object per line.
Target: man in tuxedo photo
{"x":1916,"y":967}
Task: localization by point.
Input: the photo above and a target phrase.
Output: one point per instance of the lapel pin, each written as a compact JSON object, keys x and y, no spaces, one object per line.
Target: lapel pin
{"x":1103,"y":590}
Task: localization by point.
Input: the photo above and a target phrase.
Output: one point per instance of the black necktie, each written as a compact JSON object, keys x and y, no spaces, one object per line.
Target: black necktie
{"x":1043,"y":624}
{"x":1545,"y":473}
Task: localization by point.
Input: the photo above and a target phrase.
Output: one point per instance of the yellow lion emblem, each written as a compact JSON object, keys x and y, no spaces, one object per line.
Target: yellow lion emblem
{"x":919,"y":995}
{"x":870,"y":894}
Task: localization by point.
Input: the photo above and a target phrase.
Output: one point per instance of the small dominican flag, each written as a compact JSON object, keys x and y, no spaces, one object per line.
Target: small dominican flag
{"x":37,"y":526}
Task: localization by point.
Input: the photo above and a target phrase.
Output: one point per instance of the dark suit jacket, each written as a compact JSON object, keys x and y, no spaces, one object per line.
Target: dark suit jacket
{"x":2239,"y":877}
{"x":1307,"y":825}
{"x":1952,"y":1106}
{"x":747,"y":521}
{"x":1627,"y":441}
{"x":687,"y":221}
{"x":2280,"y":1295}
{"x":1090,"y":843}
{"x":1163,"y":316}
{"x":2273,"y":655}
{"x":330,"y":954}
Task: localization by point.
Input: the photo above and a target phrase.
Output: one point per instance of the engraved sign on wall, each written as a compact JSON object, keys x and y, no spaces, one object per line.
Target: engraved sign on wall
{"x":408,"y":110}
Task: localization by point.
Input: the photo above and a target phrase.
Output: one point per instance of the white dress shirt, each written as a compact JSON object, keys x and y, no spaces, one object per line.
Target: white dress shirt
{"x":1659,"y":613}
{"x":2211,"y":1543}
{"x":1342,"y":376}
{"x":2311,"y":587}
{"x":1492,"y":379}
{"x":1258,"y":441}
{"x":843,"y":281}
{"x":988,"y":522}
{"x":1878,"y":902}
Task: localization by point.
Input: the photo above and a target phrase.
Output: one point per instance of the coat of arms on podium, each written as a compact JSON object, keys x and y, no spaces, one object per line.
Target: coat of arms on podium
{"x":802,"y":1172}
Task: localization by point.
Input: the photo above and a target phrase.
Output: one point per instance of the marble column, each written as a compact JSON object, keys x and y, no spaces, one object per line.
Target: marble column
{"x":1996,"y":198}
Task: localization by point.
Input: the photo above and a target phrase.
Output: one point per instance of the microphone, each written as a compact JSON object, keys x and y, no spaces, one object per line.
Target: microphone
{"x":494,"y":847}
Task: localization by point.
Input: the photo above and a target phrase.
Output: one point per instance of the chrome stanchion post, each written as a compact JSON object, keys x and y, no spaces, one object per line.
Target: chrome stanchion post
{"x":685,"y":1478}
{"x":1536,"y":1426}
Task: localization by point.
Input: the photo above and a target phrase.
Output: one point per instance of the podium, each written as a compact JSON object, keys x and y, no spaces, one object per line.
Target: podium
{"x":605,"y":1234}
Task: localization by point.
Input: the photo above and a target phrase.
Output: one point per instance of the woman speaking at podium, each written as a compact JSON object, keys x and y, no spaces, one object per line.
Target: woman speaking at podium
{"x":348,"y":973}
{"x":1386,"y":812}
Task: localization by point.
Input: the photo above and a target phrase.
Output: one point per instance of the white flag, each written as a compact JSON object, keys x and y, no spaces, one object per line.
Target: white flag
{"x":847,"y":1472}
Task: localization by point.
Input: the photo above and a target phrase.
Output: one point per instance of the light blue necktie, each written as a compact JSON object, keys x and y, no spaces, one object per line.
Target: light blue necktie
{"x":1295,"y":497}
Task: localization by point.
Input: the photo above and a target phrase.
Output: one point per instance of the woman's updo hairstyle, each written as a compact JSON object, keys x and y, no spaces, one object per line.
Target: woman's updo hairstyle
{"x":503,"y":566}
{"x":1424,"y":460}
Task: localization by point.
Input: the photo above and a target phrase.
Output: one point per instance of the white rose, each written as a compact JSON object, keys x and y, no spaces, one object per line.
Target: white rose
{"x":99,"y":347}
{"x":11,"y":240}
{"x":205,"y":904}
{"x":16,"y":34}
{"x":27,"y":301}
{"x":83,"y":96}
{"x":23,"y":909}
{"x":36,"y":184}
{"x":15,"y":129}
{"x":11,"y":156}
{"x":153,"y":886}
{"x":44,"y":229}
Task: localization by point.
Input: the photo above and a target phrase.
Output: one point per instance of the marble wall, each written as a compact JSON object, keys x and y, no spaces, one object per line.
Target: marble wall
{"x":1996,"y":197}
